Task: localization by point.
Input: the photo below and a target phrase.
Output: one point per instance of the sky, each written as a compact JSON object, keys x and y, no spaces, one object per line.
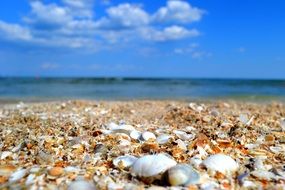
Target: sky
{"x":158,"y":38}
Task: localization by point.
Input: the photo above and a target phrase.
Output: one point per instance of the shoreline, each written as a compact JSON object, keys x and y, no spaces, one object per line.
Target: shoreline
{"x":60,"y":143}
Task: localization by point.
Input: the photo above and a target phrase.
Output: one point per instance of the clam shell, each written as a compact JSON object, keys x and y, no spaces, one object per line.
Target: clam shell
{"x":124,"y":161}
{"x":221,"y":163}
{"x":151,"y":165}
{"x":182,"y":175}
{"x":135,"y":134}
{"x":163,"y":139}
{"x":16,"y":176}
{"x":81,"y":185}
{"x":120,"y":128}
{"x":148,"y":135}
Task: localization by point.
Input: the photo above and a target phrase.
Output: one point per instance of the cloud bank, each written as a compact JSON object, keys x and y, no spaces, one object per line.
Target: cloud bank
{"x":74,"y":24}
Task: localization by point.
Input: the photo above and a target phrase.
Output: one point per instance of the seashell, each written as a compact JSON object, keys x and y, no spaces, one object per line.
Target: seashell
{"x":182,"y":175}
{"x":120,"y":128}
{"x":30,"y":179}
{"x":70,"y":169}
{"x":163,"y":139}
{"x":16,"y":176}
{"x":124,"y":161}
{"x":263,"y":174}
{"x":56,"y":171}
{"x":196,"y":161}
{"x":44,"y":158}
{"x":5,"y":154}
{"x":244,"y":119}
{"x":100,"y":149}
{"x":181,"y":144}
{"x":214,"y":112}
{"x":114,"y":186}
{"x":151,"y":165}
{"x":81,"y":185}
{"x":135,"y":134}
{"x":148,"y":135}
{"x":156,"y":188}
{"x":195,"y":107}
{"x":183,"y":135}
{"x":282,"y":124}
{"x":221,"y":163}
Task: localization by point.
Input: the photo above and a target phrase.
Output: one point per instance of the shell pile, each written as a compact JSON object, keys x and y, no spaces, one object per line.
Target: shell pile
{"x":155,"y":145}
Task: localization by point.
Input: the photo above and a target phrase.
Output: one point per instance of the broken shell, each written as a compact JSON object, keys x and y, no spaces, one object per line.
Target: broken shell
{"x":221,"y":163}
{"x":30,"y":179}
{"x":124,"y":161}
{"x":17,"y":175}
{"x":183,"y":135}
{"x":182,"y":175}
{"x":135,"y":134}
{"x":151,"y":165}
{"x":81,"y":185}
{"x":5,"y":154}
{"x":263,"y":174}
{"x":120,"y":128}
{"x":181,"y":144}
{"x":148,"y":135}
{"x":163,"y":139}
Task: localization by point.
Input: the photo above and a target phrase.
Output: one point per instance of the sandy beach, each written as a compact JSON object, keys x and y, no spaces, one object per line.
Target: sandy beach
{"x":142,"y":145}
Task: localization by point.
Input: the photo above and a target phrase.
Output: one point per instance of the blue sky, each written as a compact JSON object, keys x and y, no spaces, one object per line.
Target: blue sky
{"x":174,"y":38}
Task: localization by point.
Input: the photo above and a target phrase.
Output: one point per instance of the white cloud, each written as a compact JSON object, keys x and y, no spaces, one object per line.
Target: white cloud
{"x":169,"y":33}
{"x":80,"y":8}
{"x":124,"y":16}
{"x":178,"y":11}
{"x":14,"y":31}
{"x":71,"y":24}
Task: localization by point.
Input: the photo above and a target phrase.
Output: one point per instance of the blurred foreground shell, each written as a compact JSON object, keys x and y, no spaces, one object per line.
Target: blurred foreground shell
{"x":221,"y":163}
{"x":152,"y":165}
{"x":81,"y":185}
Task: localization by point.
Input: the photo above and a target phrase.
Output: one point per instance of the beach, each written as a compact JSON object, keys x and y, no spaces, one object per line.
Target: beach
{"x":119,"y":145}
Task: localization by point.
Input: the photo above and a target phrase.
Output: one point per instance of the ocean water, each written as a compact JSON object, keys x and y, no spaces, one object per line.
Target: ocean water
{"x":40,"y":89}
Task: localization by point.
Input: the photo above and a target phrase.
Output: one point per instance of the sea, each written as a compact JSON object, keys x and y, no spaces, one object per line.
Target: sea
{"x":47,"y":89}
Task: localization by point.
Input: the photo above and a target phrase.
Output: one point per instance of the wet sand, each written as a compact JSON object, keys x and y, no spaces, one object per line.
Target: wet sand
{"x":53,"y":145}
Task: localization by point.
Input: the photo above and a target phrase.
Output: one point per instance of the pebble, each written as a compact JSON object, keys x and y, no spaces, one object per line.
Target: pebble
{"x":151,"y":165}
{"x":221,"y":163}
{"x":182,"y":175}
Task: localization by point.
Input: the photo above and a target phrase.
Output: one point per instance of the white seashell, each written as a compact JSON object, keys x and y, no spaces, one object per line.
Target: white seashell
{"x":135,"y":134}
{"x":5,"y":154}
{"x":163,"y":139}
{"x":35,"y":170}
{"x":277,"y":149}
{"x":81,"y":185}
{"x":152,"y":165}
{"x":124,"y":161}
{"x":17,"y":175}
{"x":148,"y":135}
{"x":248,"y":184}
{"x":210,"y":186}
{"x":282,"y":124}
{"x":244,"y":119}
{"x":221,"y":163}
{"x":196,"y":161}
{"x":120,"y":128}
{"x":263,"y":174}
{"x":190,"y":129}
{"x":183,"y":135}
{"x":195,"y":107}
{"x":181,"y":144}
{"x":114,"y":186}
{"x":70,"y":169}
{"x":182,"y":175}
{"x":30,"y":179}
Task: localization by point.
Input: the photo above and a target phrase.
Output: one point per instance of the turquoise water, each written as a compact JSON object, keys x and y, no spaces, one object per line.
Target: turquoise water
{"x":139,"y":88}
